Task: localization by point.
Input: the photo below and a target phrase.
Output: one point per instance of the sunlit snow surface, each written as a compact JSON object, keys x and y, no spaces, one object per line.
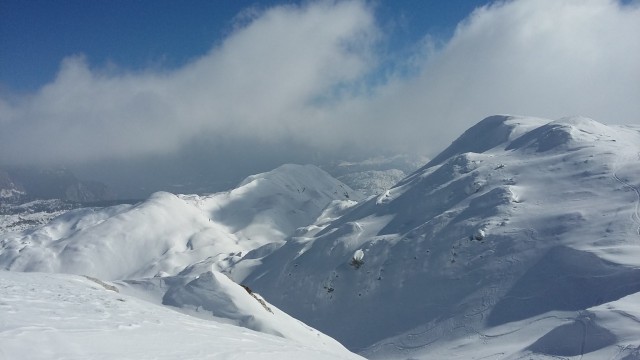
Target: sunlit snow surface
{"x":58,"y":316}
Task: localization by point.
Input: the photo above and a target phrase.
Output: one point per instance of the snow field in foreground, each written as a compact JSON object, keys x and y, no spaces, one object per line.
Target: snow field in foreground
{"x":57,"y":316}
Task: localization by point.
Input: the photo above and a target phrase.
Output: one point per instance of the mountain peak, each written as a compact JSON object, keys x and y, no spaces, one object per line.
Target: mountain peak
{"x":487,"y":134}
{"x":299,"y":177}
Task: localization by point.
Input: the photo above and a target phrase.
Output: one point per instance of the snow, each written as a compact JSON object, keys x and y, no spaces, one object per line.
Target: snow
{"x":373,"y":182}
{"x":557,"y":203}
{"x":166,"y":252}
{"x":375,"y":175}
{"x":58,"y":316}
{"x":212,"y":295}
{"x":520,"y":240}
{"x":10,"y":193}
{"x":166,"y":233}
{"x":16,"y":217}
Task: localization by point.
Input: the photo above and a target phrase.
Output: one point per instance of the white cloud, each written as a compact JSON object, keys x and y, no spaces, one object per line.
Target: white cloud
{"x":547,"y":58}
{"x":283,"y":75}
{"x":258,"y":84}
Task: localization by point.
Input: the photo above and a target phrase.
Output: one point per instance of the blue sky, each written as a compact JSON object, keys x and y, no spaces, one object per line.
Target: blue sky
{"x":36,"y":35}
{"x":169,"y":88}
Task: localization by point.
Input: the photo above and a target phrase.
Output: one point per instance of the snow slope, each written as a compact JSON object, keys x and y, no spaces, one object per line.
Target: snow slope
{"x":59,"y":316}
{"x":167,"y":251}
{"x":522,"y":239}
{"x":211,"y":295}
{"x":167,"y":233}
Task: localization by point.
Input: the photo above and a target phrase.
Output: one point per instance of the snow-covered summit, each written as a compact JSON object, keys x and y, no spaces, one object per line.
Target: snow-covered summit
{"x":519,"y":220}
{"x":487,"y":134}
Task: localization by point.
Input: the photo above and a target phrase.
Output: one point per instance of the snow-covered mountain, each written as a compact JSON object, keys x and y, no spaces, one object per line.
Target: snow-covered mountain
{"x":167,"y":251}
{"x":166,"y":233}
{"x":520,"y":239}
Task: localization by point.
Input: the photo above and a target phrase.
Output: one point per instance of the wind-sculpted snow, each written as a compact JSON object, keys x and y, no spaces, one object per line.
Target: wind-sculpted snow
{"x":518,"y":228}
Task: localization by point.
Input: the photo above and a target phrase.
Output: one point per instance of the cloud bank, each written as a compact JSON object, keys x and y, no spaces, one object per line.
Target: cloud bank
{"x":305,"y":73}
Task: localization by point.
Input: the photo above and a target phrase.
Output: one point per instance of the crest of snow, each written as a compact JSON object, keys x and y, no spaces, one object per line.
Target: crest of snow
{"x":213,"y":296}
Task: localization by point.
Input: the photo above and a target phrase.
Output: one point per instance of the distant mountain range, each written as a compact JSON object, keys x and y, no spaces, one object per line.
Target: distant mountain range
{"x":22,"y":184}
